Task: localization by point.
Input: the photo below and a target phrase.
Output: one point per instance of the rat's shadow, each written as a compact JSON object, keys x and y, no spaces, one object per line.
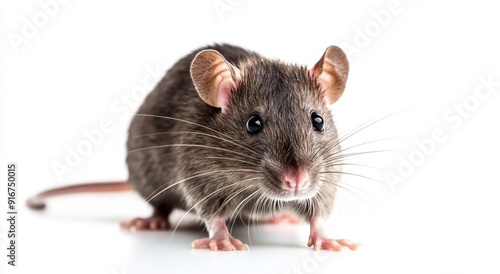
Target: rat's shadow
{"x":190,"y":228}
{"x":255,"y":234}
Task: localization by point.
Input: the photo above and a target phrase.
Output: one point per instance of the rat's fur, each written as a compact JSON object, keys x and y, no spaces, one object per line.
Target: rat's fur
{"x":172,"y":142}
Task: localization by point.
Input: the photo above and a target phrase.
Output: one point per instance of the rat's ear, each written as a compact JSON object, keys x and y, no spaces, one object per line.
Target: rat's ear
{"x":214,"y":77}
{"x":331,"y":73}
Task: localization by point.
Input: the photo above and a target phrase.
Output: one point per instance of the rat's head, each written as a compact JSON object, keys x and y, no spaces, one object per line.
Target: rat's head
{"x":279,"y":116}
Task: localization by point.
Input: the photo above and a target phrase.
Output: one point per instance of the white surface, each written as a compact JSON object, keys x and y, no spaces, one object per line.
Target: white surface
{"x":442,"y":218}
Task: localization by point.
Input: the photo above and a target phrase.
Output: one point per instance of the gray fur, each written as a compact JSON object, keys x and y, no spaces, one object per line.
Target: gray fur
{"x":284,"y":95}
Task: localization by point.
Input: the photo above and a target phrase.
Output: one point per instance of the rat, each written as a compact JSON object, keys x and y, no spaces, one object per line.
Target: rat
{"x":230,"y":134}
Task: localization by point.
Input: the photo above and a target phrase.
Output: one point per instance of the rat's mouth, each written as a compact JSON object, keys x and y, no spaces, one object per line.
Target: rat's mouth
{"x":297,"y":195}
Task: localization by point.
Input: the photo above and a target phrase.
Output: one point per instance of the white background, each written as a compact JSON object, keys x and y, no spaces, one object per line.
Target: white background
{"x":433,"y":211}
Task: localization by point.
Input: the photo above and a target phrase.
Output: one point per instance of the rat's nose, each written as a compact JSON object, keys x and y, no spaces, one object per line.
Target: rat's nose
{"x":295,"y":180}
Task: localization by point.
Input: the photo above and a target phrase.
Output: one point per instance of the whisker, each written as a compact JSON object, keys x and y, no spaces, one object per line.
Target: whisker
{"x":195,"y":176}
{"x":369,"y":123}
{"x":339,"y":199}
{"x":232,"y":159}
{"x":346,"y":202}
{"x":198,"y":133}
{"x":352,"y":164}
{"x":258,"y":207}
{"x":345,"y":155}
{"x":358,"y":145}
{"x":250,"y":216}
{"x":192,"y":145}
{"x":185,"y":121}
{"x":311,"y":207}
{"x":349,"y":189}
{"x":228,"y":199}
{"x":149,"y":198}
{"x":352,"y":174}
{"x":243,"y":203}
{"x":196,"y":204}
{"x":226,"y":159}
{"x":359,"y":128}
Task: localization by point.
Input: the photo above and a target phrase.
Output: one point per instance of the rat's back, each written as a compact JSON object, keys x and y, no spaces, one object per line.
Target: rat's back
{"x":170,"y":111}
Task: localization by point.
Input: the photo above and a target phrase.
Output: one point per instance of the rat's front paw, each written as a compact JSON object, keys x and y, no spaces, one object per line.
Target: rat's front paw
{"x":221,"y":243}
{"x":331,"y":244}
{"x":219,"y":237}
{"x":318,"y":239}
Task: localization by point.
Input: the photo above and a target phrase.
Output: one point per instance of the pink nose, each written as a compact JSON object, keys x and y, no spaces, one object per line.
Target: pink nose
{"x":295,"y":180}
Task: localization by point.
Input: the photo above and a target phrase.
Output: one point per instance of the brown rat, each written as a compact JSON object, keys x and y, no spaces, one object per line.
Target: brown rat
{"x":227,"y":133}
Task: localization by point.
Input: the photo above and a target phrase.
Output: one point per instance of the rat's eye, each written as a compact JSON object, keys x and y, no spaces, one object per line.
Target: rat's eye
{"x":317,"y":122}
{"x":254,"y":124}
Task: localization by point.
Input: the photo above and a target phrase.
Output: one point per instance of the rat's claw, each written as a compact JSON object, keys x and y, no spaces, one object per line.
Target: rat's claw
{"x":239,"y":245}
{"x":331,"y":244}
{"x":227,"y":246}
{"x":213,"y":245}
{"x":349,"y":244}
{"x":200,"y":243}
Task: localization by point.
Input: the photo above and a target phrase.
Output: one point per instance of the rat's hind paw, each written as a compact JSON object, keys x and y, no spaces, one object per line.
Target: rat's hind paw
{"x":152,"y":223}
{"x":284,"y":217}
{"x":226,"y":244}
{"x":331,"y":244}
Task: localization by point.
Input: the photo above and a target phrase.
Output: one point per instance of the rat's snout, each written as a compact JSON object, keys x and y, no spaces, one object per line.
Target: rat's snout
{"x":295,"y":180}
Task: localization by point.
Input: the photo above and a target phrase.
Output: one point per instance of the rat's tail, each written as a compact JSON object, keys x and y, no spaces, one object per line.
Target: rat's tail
{"x":38,"y":202}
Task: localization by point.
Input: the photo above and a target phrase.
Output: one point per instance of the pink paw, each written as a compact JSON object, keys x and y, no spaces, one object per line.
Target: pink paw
{"x":331,"y":244}
{"x":284,"y":217}
{"x":223,"y":243}
{"x":151,"y":223}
